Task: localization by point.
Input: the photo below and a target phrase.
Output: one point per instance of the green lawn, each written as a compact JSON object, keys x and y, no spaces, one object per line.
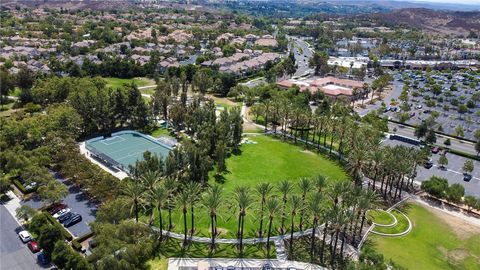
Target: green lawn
{"x":432,"y":244}
{"x":401,"y":226}
{"x":160,"y":131}
{"x":380,"y":217}
{"x":119,"y":82}
{"x":172,"y":248}
{"x":270,"y":160}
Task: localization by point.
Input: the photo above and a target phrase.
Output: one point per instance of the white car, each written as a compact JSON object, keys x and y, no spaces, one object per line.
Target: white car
{"x":25,"y":236}
{"x":61,"y":212}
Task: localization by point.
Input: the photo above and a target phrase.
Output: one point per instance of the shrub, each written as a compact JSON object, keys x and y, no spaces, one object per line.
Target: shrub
{"x":455,"y":193}
{"x":436,"y":186}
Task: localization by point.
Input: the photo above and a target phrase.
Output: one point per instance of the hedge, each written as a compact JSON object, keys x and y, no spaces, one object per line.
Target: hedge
{"x":22,"y":188}
{"x":463,"y":154}
{"x":55,"y":222}
{"x":76,"y":242}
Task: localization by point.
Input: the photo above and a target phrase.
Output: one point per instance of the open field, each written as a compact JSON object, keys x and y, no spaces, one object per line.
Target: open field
{"x":437,"y":241}
{"x":380,"y":217}
{"x":270,"y":160}
{"x":119,"y":82}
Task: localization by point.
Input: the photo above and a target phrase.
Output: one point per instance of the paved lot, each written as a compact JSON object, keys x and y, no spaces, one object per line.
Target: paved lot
{"x":447,"y":119}
{"x":78,"y":202}
{"x":453,"y":172}
{"x":14,"y":255}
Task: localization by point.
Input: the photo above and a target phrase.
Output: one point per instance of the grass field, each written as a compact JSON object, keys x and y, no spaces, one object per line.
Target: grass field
{"x":160,"y":131}
{"x":270,"y":160}
{"x":380,"y":217}
{"x":119,"y":82}
{"x":401,"y":226}
{"x":432,"y":243}
{"x":172,"y":248}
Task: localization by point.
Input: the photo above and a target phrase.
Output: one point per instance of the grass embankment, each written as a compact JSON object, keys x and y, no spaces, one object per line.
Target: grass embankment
{"x":433,"y":243}
{"x":401,"y":226}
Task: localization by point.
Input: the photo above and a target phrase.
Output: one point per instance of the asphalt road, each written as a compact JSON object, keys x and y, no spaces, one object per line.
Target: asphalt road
{"x":14,"y":255}
{"x":459,"y":145}
{"x":78,"y":202}
{"x":453,"y":172}
{"x":302,"y":56}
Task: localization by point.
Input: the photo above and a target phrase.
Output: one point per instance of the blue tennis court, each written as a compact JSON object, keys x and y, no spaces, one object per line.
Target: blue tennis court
{"x":124,"y":148}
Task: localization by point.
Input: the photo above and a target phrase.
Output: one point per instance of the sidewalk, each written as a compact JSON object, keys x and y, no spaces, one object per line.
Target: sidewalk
{"x":12,"y":205}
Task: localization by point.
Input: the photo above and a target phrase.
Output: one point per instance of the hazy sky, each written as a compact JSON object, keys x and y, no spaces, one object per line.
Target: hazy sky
{"x":450,"y":1}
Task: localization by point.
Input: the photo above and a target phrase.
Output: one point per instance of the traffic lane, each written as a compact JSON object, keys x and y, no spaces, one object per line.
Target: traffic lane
{"x":407,"y":131}
{"x":14,"y":255}
{"x":453,"y":172}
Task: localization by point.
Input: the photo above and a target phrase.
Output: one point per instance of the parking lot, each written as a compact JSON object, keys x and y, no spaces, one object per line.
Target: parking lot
{"x":453,"y":171}
{"x":78,"y":202}
{"x":443,"y":104}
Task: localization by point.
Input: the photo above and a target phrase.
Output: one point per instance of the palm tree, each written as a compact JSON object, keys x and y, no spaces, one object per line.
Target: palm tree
{"x":194,"y":189}
{"x":171,"y":187}
{"x":213,"y":200}
{"x":316,"y":210}
{"x":244,"y":200}
{"x":305,"y":185}
{"x":134,"y":191}
{"x":159,"y":197}
{"x":319,"y":182}
{"x":368,"y":201}
{"x":295,"y":204}
{"x":184,"y":200}
{"x":340,"y":221}
{"x":273,"y":206}
{"x":149,"y":179}
{"x":284,"y":188}
{"x":263,"y":190}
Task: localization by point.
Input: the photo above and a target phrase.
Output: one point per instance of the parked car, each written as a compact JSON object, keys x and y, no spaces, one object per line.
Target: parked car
{"x":428,"y":165}
{"x":412,"y":114}
{"x":42,"y":259}
{"x":57,"y":208}
{"x":72,"y":220}
{"x":467,"y":177}
{"x":230,"y":267}
{"x":33,"y":246}
{"x":61,"y":212}
{"x":31,"y":186}
{"x":65,"y":217}
{"x":25,"y":236}
{"x":267,"y":266}
{"x":435,"y":150}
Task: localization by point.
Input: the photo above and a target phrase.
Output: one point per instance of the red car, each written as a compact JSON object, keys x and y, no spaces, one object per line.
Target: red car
{"x":57,"y":208}
{"x":33,"y":246}
{"x":435,"y":150}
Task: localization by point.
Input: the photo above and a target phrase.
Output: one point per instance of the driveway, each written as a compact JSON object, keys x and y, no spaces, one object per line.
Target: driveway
{"x":78,"y":202}
{"x":14,"y":255}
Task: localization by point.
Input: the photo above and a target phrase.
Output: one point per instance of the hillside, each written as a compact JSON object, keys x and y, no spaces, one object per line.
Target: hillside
{"x":432,"y":21}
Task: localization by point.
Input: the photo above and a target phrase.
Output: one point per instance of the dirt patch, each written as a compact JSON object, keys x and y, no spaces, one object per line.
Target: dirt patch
{"x":222,"y":231}
{"x":462,"y":229}
{"x":307,"y":152}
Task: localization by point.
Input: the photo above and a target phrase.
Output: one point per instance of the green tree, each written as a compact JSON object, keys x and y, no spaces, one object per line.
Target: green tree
{"x":7,"y":85}
{"x":25,"y":212}
{"x":133,"y":192}
{"x":443,"y":161}
{"x":435,"y":186}
{"x":319,"y":62}
{"x":468,"y":166}
{"x":47,"y":237}
{"x":272,"y":206}
{"x":52,"y":192}
{"x":212,"y":201}
{"x":455,"y":193}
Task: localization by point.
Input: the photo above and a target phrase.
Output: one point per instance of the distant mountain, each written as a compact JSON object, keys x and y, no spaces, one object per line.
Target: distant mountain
{"x":70,"y":4}
{"x":433,"y":21}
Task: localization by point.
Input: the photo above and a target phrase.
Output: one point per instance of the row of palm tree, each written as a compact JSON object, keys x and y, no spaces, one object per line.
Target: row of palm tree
{"x":308,"y":203}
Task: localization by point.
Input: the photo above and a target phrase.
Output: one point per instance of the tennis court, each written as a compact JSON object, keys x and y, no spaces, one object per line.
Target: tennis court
{"x":124,"y":148}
